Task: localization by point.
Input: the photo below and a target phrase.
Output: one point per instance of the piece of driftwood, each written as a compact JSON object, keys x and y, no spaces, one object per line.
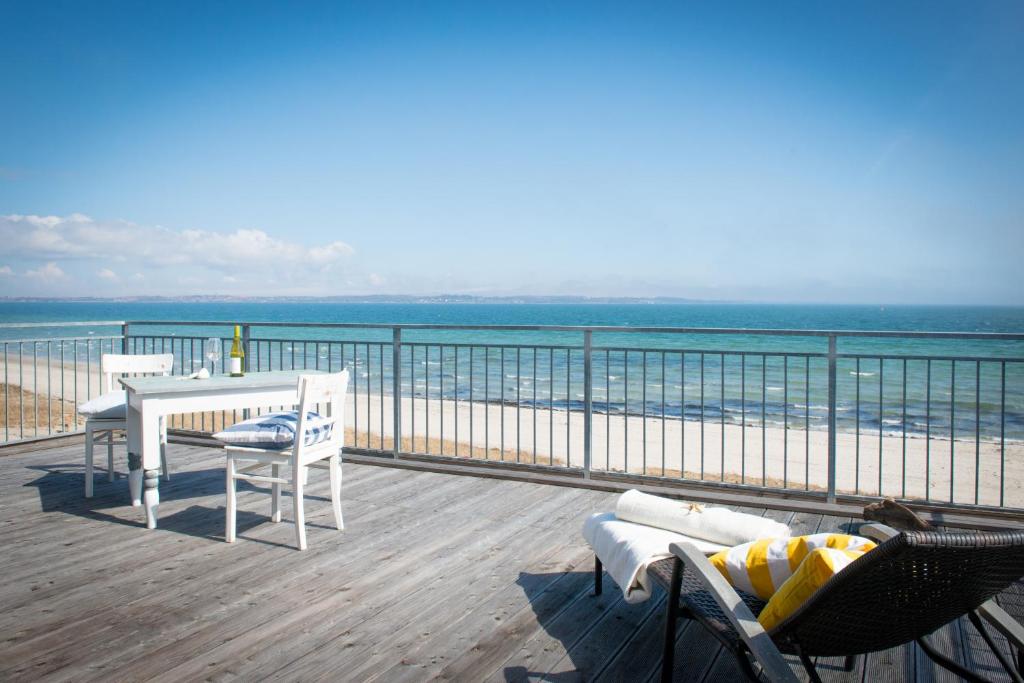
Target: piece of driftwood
{"x":895,"y":514}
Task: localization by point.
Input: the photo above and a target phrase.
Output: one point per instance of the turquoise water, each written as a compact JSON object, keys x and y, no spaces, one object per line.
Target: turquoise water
{"x":710,"y":381}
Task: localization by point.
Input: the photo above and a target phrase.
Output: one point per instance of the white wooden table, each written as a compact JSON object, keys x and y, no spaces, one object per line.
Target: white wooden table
{"x":151,"y":398}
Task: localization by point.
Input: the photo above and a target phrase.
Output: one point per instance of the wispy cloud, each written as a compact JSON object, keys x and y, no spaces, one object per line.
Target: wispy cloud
{"x":79,"y":246}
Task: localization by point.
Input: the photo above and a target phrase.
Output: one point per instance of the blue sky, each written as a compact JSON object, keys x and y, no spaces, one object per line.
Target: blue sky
{"x":832,"y":152}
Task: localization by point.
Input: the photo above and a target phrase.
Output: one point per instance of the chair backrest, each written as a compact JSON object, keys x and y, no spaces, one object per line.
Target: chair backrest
{"x":328,"y":392}
{"x":135,"y":364}
{"x":905,"y":588}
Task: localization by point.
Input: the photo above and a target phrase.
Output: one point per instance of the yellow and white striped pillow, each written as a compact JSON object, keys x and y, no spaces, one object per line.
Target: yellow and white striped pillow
{"x":761,"y":567}
{"x":817,"y":568}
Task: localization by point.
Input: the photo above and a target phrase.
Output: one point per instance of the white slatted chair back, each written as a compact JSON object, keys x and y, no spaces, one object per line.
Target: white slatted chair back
{"x":112,"y":364}
{"x":329,"y":392}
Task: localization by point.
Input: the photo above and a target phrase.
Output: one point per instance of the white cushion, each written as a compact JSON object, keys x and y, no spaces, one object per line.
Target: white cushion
{"x":276,"y":430}
{"x":110,"y":406}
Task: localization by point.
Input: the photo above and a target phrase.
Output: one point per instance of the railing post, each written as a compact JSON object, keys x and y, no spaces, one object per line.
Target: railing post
{"x":831,"y":495}
{"x":124,"y":338}
{"x":588,"y":402}
{"x":396,"y":390}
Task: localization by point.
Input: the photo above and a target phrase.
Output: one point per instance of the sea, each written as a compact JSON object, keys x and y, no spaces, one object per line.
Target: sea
{"x":903,"y":385}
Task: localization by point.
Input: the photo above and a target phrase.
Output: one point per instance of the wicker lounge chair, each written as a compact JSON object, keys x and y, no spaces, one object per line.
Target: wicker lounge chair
{"x":912,"y":584}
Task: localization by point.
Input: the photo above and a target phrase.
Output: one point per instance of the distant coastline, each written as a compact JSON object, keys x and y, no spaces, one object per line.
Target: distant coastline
{"x":377,"y":299}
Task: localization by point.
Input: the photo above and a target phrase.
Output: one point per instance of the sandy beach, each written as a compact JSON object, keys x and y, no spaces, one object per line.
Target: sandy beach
{"x":792,"y":458}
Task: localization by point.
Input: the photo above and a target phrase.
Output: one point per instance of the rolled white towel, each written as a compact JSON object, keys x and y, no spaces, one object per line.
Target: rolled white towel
{"x":715,"y":524}
{"x":627,"y":550}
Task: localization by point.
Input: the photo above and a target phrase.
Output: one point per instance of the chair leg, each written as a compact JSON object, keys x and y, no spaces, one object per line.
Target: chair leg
{"x":275,"y":495}
{"x":229,"y":521}
{"x":110,"y":455}
{"x":300,"y":514}
{"x":598,"y":571}
{"x":668,"y":653}
{"x":335,"y":465}
{"x":88,"y":461}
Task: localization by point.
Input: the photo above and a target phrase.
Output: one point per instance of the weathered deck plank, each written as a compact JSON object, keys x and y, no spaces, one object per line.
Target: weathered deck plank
{"x":435,"y":577}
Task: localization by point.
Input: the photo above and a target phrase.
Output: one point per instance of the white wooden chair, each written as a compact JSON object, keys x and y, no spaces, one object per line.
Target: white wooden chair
{"x":97,"y":428}
{"x":244,"y":461}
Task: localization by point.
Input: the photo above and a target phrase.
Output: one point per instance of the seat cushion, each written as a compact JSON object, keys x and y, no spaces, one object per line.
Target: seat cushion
{"x":276,"y":431}
{"x":761,"y":567}
{"x":109,"y":406}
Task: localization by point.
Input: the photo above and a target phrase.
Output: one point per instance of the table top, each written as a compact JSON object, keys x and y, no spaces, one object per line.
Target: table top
{"x":157,"y":384}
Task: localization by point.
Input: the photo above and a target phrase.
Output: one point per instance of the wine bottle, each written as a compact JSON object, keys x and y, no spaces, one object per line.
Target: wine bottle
{"x":237,"y":354}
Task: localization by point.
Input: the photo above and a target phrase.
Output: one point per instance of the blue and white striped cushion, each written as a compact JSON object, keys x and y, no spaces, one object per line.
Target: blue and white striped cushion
{"x":275,"y":430}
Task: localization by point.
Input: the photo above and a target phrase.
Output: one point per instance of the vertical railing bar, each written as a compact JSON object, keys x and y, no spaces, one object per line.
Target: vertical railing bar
{"x":49,"y":387}
{"x":7,"y":398}
{"x":607,"y":410}
{"x":568,"y":413}
{"x":928,"y":431}
{"x":355,"y":391}
{"x":830,"y":495}
{"x":856,"y":467}
{"x":75,"y":352}
{"x":369,"y":388}
{"x":903,"y":466}
{"x":551,"y":406}
{"x":743,"y":418}
{"x":764,"y":431}
{"x":396,"y":390}
{"x":807,"y":423}
{"x":21,"y":384}
{"x":977,"y":428}
{"x":472,"y":406}
{"x":643,"y":410}
{"x":881,"y":418}
{"x":519,"y":386}
{"x":785,"y":422}
{"x":588,"y":403}
{"x":702,"y":417}
{"x":501,"y":426}
{"x":721,"y":412}
{"x":625,"y":402}
{"x":1002,"y":432}
{"x":682,"y":414}
{"x":426,"y":397}
{"x":663,"y":413}
{"x":455,"y":397}
{"x":412,"y":397}
{"x":35,"y":386}
{"x":535,"y":405}
{"x":487,"y":405}
{"x":380,"y":379}
{"x":952,"y":426}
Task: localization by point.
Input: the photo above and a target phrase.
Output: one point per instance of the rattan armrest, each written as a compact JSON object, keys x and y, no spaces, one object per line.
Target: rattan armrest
{"x":877,"y":531}
{"x":742,"y":619}
{"x":1002,"y":622}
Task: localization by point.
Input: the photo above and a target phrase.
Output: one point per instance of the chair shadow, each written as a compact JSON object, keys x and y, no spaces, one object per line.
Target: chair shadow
{"x":551,"y":614}
{"x":61,"y":489}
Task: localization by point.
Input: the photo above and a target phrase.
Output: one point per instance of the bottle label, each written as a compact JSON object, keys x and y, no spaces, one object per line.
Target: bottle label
{"x":236,"y":366}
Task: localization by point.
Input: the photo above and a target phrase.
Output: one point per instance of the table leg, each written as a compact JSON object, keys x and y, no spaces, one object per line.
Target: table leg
{"x":151,"y":496}
{"x":134,"y":419}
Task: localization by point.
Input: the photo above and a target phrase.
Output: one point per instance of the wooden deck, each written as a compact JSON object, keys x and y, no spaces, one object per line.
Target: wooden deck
{"x":435,"y":576}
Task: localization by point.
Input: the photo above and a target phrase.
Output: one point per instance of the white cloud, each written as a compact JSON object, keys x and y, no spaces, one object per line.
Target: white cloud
{"x":6,"y":270}
{"x":377,"y":280}
{"x":47,"y":273}
{"x":245,"y":258}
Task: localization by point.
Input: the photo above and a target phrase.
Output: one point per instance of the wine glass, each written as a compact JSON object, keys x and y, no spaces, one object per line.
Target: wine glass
{"x":213,"y":352}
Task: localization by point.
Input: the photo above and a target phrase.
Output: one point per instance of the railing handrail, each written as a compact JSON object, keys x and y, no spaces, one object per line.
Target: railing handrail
{"x":74,"y":323}
{"x":1004,"y":336}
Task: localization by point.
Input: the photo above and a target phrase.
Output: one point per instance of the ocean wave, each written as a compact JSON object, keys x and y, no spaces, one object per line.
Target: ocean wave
{"x":862,"y":374}
{"x":774,"y":388}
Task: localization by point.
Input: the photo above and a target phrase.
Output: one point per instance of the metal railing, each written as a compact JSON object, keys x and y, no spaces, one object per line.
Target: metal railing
{"x":889,"y":416}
